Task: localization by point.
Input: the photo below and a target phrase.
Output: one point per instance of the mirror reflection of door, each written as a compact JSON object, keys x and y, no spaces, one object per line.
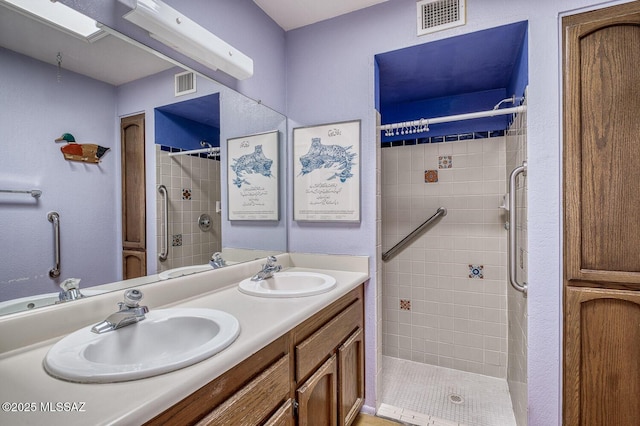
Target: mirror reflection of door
{"x":134,"y":242}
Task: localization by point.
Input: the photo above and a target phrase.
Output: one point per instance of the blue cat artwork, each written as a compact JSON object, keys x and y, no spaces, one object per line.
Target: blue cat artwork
{"x":327,"y":156}
{"x":253,"y":163}
{"x":326,"y":185}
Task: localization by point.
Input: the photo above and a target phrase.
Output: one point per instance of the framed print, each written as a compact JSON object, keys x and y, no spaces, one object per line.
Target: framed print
{"x":252,"y":177}
{"x":326,"y":172}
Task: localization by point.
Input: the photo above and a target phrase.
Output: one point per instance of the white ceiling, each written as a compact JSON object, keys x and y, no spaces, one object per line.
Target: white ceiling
{"x":291,"y":14}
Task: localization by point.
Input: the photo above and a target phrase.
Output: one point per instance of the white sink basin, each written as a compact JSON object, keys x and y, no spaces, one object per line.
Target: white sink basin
{"x":289,"y":284}
{"x":31,"y":302}
{"x":184,"y":270}
{"x":168,"y":339}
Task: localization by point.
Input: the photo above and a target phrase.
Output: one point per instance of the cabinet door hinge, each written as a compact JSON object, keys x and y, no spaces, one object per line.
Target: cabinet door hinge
{"x":295,"y":408}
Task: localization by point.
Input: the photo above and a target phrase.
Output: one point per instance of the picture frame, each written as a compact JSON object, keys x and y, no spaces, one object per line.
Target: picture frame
{"x":252,"y":177}
{"x":326,"y":172}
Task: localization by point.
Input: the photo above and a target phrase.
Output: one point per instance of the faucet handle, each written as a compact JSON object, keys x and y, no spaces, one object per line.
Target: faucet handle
{"x":271,"y":260}
{"x":132,"y":297}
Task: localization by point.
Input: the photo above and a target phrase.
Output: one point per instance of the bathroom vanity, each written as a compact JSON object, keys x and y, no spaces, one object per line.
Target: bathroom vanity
{"x":295,"y":358}
{"x":316,"y":369}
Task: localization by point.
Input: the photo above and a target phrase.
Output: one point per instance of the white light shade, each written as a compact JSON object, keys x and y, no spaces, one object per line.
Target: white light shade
{"x":182,"y":34}
{"x":59,"y":16}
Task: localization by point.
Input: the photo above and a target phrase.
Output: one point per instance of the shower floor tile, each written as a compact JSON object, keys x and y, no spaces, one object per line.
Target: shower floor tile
{"x":423,"y":394}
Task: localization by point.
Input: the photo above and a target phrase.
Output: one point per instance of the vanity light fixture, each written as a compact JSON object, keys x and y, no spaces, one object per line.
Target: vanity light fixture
{"x":58,"y":16}
{"x":175,"y":30}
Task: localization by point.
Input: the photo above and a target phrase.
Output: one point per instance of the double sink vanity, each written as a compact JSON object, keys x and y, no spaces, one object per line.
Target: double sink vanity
{"x":211,"y":348}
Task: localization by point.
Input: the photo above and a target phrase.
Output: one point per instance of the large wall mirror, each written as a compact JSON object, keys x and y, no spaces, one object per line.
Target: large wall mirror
{"x":132,"y":114}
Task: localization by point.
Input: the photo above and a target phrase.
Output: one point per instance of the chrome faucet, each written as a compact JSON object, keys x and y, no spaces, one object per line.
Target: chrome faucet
{"x":129,"y":312}
{"x":268,"y":269}
{"x":217,"y":261}
{"x":70,"y":290}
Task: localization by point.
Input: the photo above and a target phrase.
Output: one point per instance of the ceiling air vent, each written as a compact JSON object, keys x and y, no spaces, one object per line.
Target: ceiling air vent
{"x":437,"y":15}
{"x":185,"y":83}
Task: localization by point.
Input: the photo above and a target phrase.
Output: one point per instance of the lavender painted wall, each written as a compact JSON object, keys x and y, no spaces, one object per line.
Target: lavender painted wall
{"x":36,"y":109}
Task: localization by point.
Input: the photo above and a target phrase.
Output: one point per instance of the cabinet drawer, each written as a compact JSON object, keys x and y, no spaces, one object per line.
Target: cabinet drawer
{"x":316,"y":348}
{"x":255,"y":401}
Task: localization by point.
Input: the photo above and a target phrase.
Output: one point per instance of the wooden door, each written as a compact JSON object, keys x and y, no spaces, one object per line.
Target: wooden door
{"x":601,"y":103}
{"x":134,"y":239}
{"x":317,"y":397}
{"x":350,"y":378}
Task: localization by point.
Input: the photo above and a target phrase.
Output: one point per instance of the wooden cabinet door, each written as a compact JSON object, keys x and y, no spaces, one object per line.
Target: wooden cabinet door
{"x":317,"y":397}
{"x":601,"y":100}
{"x":350,"y":378}
{"x":602,"y":357}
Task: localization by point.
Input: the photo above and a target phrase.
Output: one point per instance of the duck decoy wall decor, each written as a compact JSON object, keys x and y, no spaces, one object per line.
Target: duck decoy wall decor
{"x":85,"y":152}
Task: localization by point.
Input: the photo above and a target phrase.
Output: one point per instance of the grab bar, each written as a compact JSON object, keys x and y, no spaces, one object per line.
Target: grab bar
{"x":393,"y":251}
{"x":54,"y":217}
{"x":164,"y":252}
{"x":513,"y":241}
{"x":35,"y":193}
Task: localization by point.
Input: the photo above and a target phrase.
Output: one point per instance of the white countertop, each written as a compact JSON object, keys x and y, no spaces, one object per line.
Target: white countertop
{"x":25,"y":385}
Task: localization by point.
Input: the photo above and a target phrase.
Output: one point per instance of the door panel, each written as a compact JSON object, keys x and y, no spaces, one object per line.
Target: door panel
{"x":350,"y":378}
{"x":133,"y":191}
{"x":317,"y":397}
{"x":602,"y":149}
{"x":602,"y":356}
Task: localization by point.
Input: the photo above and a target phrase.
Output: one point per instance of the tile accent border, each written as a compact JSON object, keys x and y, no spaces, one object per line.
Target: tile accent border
{"x":447,"y":138}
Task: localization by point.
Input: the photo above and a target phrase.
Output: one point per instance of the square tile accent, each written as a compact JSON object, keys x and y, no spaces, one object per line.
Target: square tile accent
{"x":430,"y":176}
{"x":177,"y":240}
{"x":186,"y":194}
{"x":475,"y":271}
{"x":445,"y":162}
{"x":405,"y":305}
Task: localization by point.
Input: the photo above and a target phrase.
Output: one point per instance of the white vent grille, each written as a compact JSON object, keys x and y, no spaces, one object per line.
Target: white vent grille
{"x":438,"y":15}
{"x":185,"y":82}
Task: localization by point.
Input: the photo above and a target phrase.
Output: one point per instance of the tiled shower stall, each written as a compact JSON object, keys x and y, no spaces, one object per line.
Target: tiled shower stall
{"x":446,"y":298}
{"x":193,"y":187}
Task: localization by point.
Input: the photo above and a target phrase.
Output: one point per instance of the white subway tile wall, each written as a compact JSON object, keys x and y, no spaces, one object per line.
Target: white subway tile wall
{"x":445,"y":296}
{"x":193,"y":186}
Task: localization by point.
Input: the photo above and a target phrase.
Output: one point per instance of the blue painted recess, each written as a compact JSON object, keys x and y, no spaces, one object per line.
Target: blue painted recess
{"x":184,"y":124}
{"x":462,"y":74}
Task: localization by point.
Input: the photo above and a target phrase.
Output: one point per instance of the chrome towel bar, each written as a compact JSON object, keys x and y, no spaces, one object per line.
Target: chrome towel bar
{"x":393,"y":251}
{"x":513,"y":225}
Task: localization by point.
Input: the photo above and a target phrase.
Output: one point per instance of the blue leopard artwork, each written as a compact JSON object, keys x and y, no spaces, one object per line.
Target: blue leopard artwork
{"x":326,"y":156}
{"x":254,"y":163}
